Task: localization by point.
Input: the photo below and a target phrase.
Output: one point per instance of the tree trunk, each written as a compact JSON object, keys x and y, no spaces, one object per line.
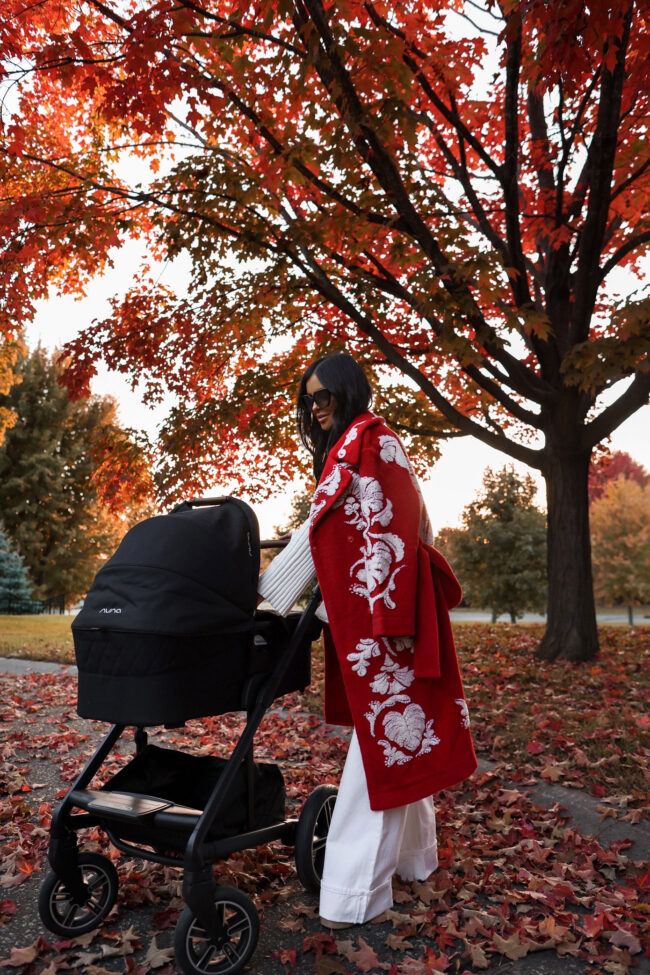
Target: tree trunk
{"x":571,"y":632}
{"x":630,"y":615}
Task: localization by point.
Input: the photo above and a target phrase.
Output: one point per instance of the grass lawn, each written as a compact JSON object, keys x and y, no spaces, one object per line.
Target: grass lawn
{"x":37,"y":638}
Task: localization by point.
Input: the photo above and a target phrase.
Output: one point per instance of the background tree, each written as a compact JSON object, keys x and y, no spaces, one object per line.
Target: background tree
{"x":608,"y":466}
{"x":9,"y":352}
{"x":448,"y":187}
{"x":51,"y":465}
{"x":500,"y":554}
{"x":620,"y":531}
{"x":15,"y":588}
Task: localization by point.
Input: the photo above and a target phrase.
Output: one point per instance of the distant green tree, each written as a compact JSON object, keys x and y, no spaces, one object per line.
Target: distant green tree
{"x":620,"y":538}
{"x":300,"y":506}
{"x":500,"y":554}
{"x":15,"y":586}
{"x":49,"y":462}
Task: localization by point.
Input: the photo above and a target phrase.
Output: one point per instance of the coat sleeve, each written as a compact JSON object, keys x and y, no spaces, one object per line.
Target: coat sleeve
{"x":390,"y":511}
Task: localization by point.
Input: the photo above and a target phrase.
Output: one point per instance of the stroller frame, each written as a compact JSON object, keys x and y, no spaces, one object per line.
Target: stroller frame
{"x":108,"y":810}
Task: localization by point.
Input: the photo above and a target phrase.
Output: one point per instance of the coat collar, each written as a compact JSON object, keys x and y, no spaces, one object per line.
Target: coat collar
{"x":343,"y":457}
{"x":347,"y":448}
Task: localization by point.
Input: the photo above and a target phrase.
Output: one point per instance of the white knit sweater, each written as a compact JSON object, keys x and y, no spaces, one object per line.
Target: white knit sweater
{"x":289,"y":574}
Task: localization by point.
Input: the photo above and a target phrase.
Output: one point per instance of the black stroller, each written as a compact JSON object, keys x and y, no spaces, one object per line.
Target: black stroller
{"x":169,"y":631}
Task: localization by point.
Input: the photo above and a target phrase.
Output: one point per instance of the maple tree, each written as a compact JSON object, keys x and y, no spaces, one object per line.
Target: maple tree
{"x":448,"y":188}
{"x":620,"y":537}
{"x":608,"y":467}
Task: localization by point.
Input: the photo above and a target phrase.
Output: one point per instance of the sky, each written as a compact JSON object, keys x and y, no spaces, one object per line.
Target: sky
{"x":454,"y":481}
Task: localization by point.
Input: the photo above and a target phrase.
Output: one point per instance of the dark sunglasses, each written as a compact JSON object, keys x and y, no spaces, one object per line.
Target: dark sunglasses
{"x":322,"y":398}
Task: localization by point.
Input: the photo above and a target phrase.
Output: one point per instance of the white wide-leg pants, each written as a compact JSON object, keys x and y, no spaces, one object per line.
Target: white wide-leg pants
{"x":365,"y":848}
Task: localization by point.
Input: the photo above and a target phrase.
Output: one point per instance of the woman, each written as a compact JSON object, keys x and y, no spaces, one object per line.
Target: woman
{"x":390,"y":664}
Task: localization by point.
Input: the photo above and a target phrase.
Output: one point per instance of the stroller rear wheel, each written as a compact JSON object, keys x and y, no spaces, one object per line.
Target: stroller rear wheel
{"x":197,"y":952}
{"x":65,"y":914}
{"x":311,"y":835}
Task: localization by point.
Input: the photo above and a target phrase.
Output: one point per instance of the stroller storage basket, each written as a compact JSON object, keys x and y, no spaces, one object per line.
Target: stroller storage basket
{"x":188,"y":781}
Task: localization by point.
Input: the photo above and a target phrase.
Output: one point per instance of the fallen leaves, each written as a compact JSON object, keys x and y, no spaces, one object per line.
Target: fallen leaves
{"x":513,"y":879}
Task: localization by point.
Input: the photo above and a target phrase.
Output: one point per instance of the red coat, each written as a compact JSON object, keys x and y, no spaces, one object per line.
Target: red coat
{"x":381,"y":584}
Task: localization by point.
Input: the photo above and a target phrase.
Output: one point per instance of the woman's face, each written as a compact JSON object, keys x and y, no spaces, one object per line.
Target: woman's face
{"x":324,"y":414}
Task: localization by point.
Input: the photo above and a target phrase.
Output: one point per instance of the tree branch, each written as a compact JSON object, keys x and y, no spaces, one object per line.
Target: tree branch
{"x":604,"y":155}
{"x":630,"y":244}
{"x":328,"y":289}
{"x":635,"y":396}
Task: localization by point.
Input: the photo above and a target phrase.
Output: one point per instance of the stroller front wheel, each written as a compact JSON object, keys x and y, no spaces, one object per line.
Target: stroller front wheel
{"x":311,"y":835}
{"x":197,"y":952}
{"x":66,"y":915}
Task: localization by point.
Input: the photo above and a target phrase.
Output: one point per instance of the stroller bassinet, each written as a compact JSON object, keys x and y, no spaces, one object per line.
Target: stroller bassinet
{"x":164,"y":633}
{"x":169,"y":631}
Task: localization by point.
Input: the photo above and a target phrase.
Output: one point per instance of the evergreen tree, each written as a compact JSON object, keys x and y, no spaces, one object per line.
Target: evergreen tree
{"x":500,"y":555}
{"x":14,"y":582}
{"x":48,"y":494}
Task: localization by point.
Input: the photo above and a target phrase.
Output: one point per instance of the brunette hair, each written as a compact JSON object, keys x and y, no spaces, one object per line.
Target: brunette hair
{"x":348,"y":384}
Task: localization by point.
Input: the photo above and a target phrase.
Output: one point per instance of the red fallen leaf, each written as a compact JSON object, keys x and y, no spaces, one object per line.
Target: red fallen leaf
{"x":535,"y":747}
{"x":625,"y":939}
{"x":132,"y":967}
{"x":7,"y":908}
{"x":594,"y":925}
{"x":165,"y":919}
{"x":426,"y":965}
{"x":286,"y":955}
{"x":364,"y":957}
{"x":643,"y":882}
{"x":320,"y":943}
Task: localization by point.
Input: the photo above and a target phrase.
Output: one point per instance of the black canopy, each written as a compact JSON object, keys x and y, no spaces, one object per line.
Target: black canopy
{"x":193,"y":571}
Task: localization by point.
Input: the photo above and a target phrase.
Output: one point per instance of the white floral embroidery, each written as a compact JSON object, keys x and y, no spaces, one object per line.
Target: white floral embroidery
{"x":376,"y":707}
{"x":390,"y":450}
{"x":464,"y":711}
{"x":375,"y":571}
{"x":324,"y":491}
{"x":366,"y":649}
{"x":396,"y":644}
{"x":393,"y":755}
{"x":429,"y":739}
{"x":351,"y":435}
{"x":406,"y":728}
{"x":392,"y":679}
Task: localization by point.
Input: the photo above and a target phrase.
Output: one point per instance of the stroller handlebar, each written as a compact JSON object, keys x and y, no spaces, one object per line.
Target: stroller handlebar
{"x":275,"y":542}
{"x":207,"y":502}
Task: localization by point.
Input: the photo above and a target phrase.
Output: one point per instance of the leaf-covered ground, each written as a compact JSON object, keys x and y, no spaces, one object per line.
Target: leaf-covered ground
{"x":514,"y":879}
{"x":581,"y":725}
